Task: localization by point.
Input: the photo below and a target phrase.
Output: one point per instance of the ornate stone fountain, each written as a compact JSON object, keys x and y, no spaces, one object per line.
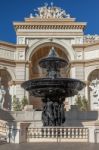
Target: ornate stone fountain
{"x":53,"y":89}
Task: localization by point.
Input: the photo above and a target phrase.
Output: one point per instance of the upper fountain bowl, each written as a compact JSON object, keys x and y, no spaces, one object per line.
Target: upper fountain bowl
{"x":53,"y":85}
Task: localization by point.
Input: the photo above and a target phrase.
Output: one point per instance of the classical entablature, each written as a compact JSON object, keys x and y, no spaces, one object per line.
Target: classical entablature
{"x":48,"y":24}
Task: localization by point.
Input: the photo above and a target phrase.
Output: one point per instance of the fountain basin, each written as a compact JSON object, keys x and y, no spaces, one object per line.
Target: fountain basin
{"x":42,"y":87}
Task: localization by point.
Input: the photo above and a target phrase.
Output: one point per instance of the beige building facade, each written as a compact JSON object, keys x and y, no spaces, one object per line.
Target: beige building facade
{"x":49,"y":27}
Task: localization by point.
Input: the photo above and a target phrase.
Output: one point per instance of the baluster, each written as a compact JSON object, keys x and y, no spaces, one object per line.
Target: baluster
{"x":48,"y":132}
{"x":60,"y":132}
{"x":84,"y":133}
{"x":29,"y":134}
{"x":52,"y":131}
{"x":77,"y":133}
{"x":64,"y":132}
{"x":32,"y":132}
{"x":72,"y":132}
{"x":56,"y":132}
{"x":44,"y":132}
{"x":80,"y":133}
{"x":36,"y":133}
{"x":68,"y":132}
{"x":40,"y":132}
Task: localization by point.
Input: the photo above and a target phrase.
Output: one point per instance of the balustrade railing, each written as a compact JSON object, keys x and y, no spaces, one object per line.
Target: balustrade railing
{"x":3,"y":133}
{"x":58,"y":133}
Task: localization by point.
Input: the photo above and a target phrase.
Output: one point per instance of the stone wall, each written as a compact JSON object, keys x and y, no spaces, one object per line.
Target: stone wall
{"x":72,"y":117}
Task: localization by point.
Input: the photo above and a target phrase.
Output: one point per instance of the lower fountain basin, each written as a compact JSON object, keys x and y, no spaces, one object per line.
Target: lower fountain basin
{"x":42,"y":87}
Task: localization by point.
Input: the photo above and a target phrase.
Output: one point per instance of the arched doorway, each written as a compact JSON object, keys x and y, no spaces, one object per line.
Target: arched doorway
{"x":37,"y":72}
{"x":4,"y":82}
{"x":93,"y":85}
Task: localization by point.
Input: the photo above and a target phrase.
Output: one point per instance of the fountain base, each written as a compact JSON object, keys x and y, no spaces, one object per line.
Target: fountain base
{"x":53,"y":112}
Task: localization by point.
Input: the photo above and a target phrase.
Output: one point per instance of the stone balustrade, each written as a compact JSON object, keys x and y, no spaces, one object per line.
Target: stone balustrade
{"x":91,"y":38}
{"x":18,"y":132}
{"x":3,"y":131}
{"x":62,"y":134}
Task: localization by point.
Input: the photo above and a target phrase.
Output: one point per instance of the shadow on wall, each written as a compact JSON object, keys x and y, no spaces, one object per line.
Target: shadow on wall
{"x":74,"y":117}
{"x":8,"y":100}
{"x":6,"y":116}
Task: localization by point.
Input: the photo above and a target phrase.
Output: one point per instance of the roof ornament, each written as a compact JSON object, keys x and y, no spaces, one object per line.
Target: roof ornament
{"x":50,"y":12}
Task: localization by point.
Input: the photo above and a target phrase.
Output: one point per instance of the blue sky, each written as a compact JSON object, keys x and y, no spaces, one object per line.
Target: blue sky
{"x":16,"y":10}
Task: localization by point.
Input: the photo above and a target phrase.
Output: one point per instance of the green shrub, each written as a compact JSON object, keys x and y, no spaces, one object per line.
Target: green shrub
{"x":24,"y":102}
{"x":16,"y":104}
{"x":82,"y":103}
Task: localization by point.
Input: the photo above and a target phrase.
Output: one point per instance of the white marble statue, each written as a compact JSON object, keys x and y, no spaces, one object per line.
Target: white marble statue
{"x":95,"y":88}
{"x":94,"y":94}
{"x":2,"y":96}
{"x":12,"y":92}
{"x":51,"y":12}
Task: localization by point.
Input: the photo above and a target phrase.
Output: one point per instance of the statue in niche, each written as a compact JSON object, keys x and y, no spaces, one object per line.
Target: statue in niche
{"x":2,"y":96}
{"x":12,"y":92}
{"x":95,"y":88}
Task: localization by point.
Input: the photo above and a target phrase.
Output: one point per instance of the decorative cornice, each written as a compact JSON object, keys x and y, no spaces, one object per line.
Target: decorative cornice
{"x":50,"y":34}
{"x":80,"y":45}
{"x":21,"y":46}
{"x":7,"y":44}
{"x":14,"y":46}
{"x":85,"y":45}
{"x":14,"y":62}
{"x":46,"y":25}
{"x":7,"y":62}
{"x":34,"y":19}
{"x":21,"y":62}
{"x":85,"y":62}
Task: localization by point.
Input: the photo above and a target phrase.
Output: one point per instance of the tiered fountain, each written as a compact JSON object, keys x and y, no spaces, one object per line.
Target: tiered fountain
{"x":53,"y":89}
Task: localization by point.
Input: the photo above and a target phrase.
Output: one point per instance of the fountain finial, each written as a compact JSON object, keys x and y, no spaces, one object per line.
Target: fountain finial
{"x":52,"y":53}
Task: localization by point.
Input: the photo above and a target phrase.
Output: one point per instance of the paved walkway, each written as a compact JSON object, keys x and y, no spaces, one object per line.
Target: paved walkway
{"x":50,"y":146}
